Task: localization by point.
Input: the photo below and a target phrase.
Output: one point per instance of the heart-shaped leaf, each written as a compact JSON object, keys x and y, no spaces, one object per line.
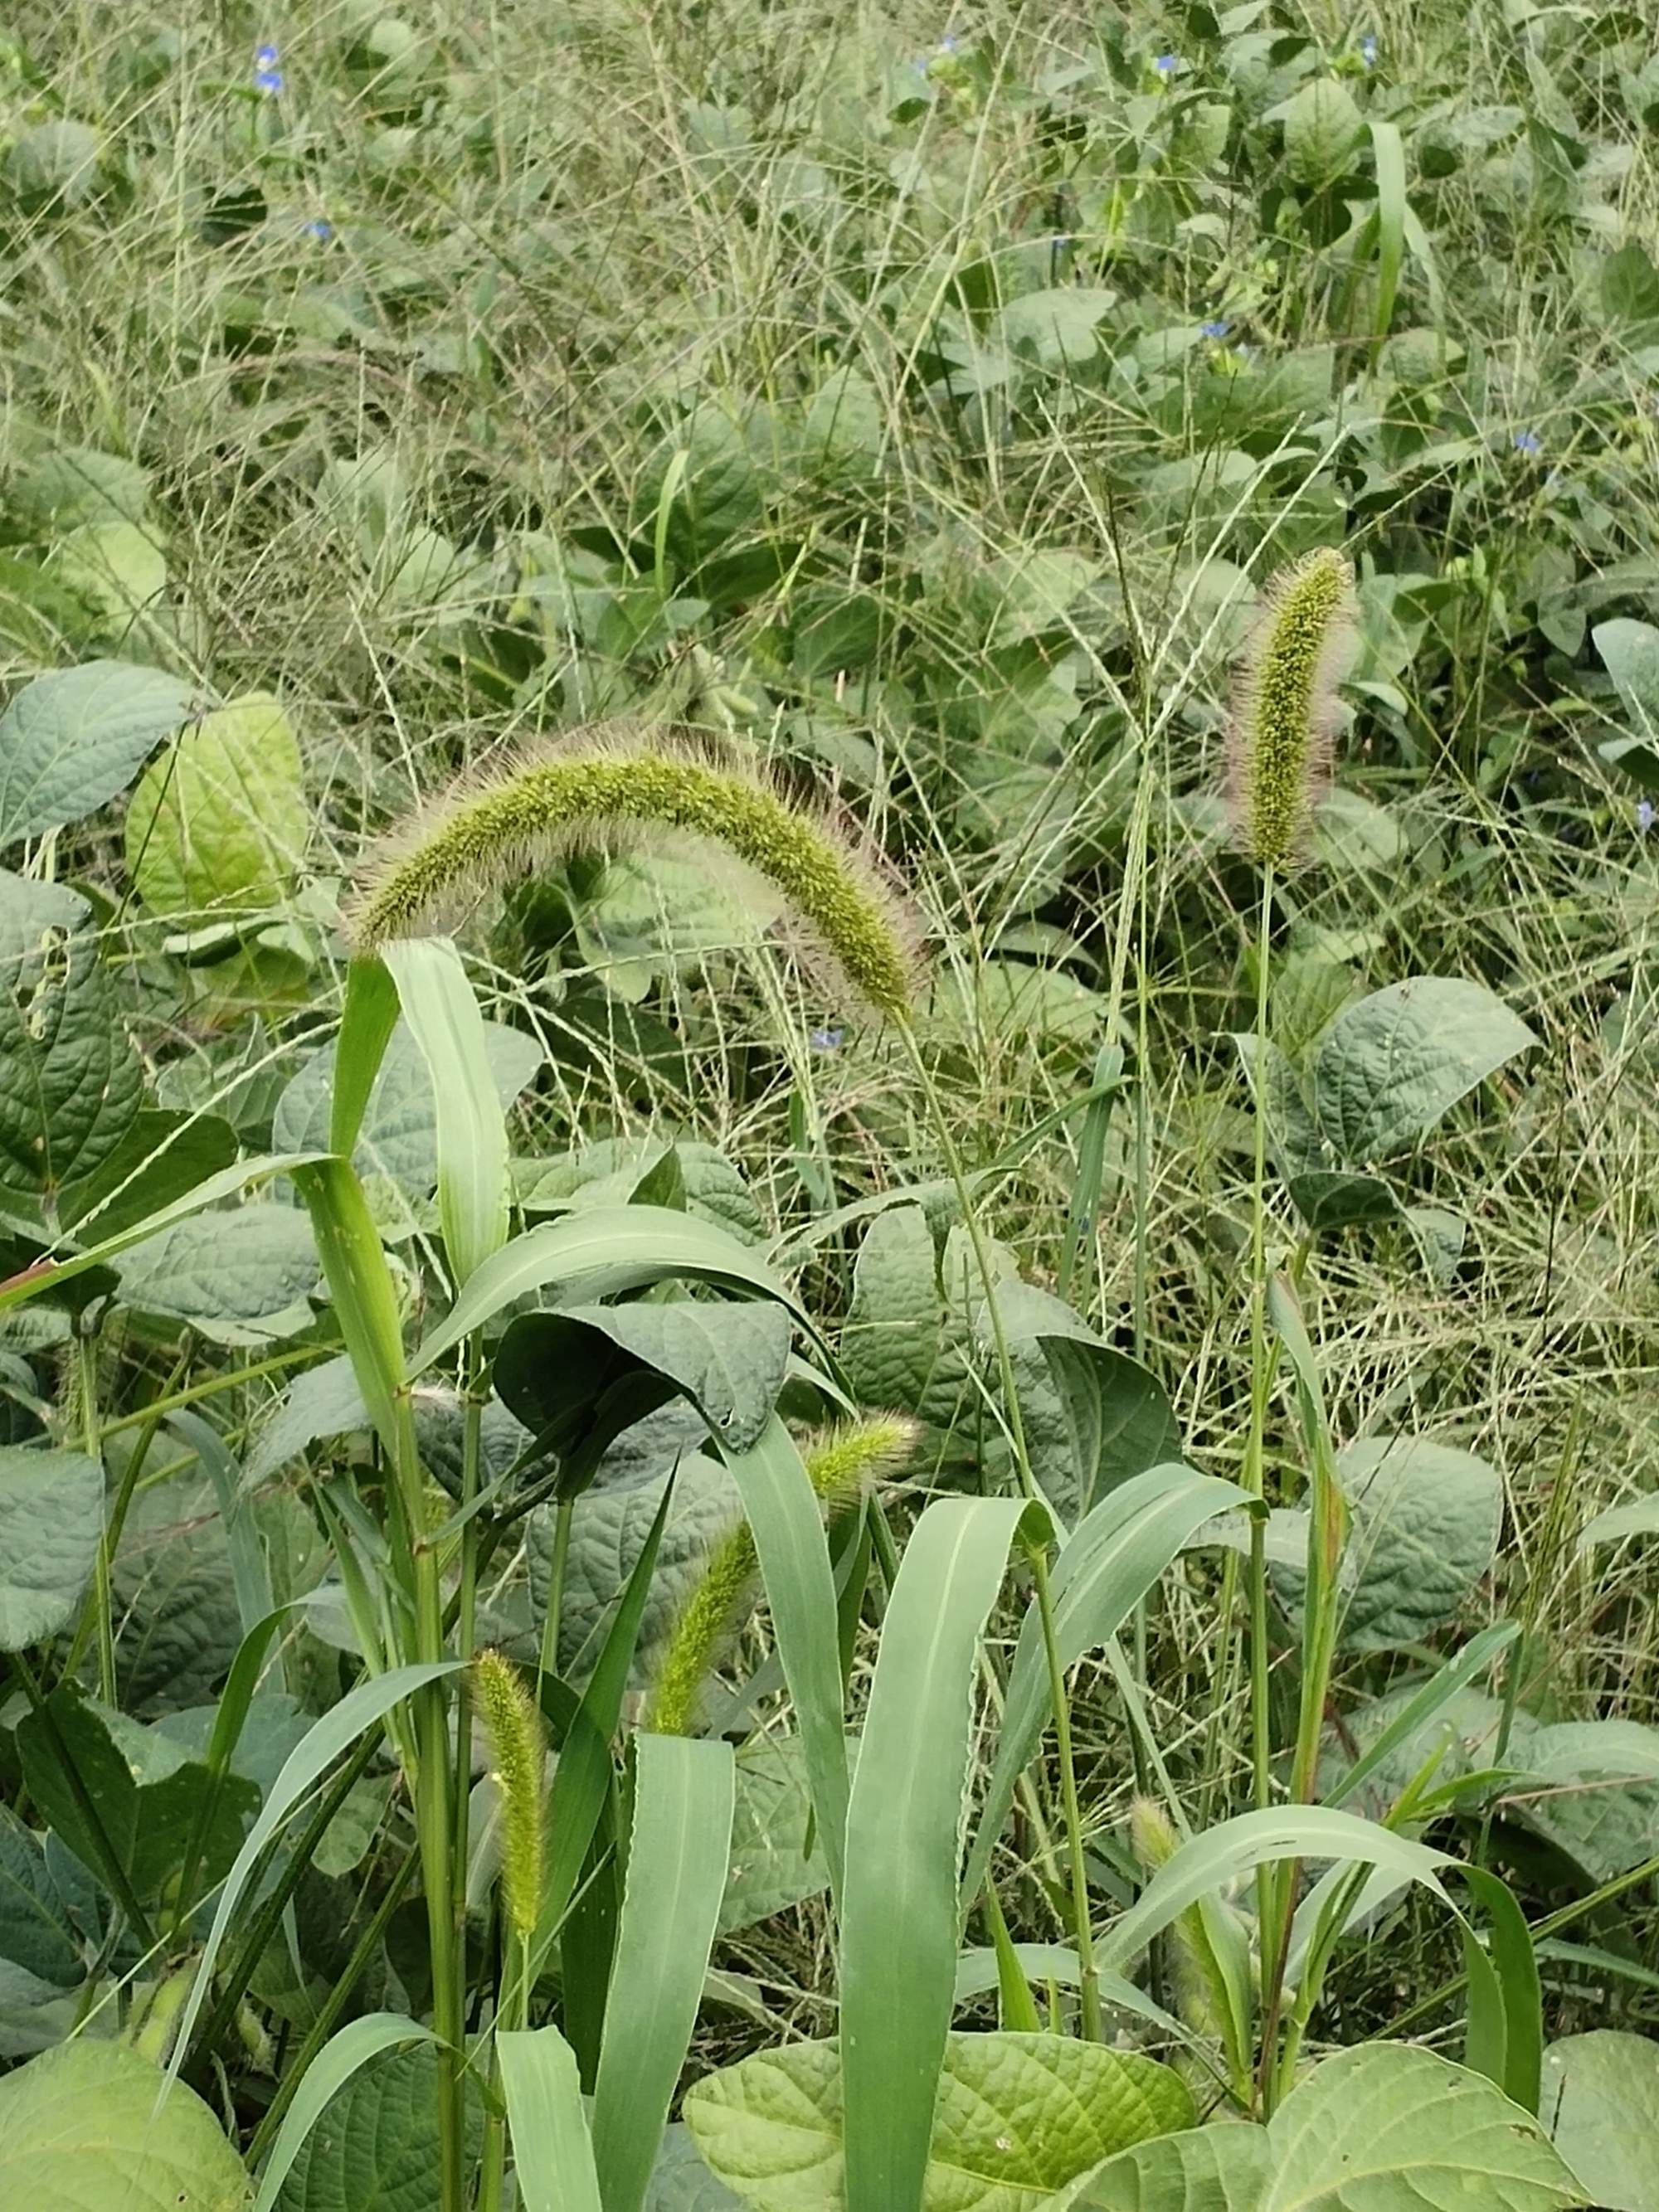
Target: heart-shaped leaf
{"x":83,"y":2124}
{"x":1018,"y":2117}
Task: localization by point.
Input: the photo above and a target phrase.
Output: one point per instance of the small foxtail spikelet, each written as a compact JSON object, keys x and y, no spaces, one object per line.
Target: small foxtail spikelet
{"x":517,"y":1749}
{"x":616,"y":786}
{"x":846,"y":1460}
{"x":1202,"y":1995}
{"x":1279,"y":750}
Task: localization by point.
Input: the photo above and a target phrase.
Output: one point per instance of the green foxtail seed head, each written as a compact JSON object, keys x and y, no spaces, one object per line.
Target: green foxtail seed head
{"x":616,"y":789}
{"x":518,"y":1750}
{"x":1279,"y":744}
{"x":843,"y":1462}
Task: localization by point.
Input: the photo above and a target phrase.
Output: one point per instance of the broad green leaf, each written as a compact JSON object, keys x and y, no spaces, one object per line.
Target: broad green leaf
{"x":70,"y":1082}
{"x":772,"y":1866}
{"x":1640,"y":1517}
{"x":69,"y":485}
{"x":1112,"y":1559}
{"x":680,"y":2181}
{"x":31,"y":912}
{"x":148,"y":1797}
{"x":165,"y":1155}
{"x":341,"y":2057}
{"x":1398,"y":2130}
{"x":1215,"y":2169}
{"x":898,"y":1922}
{"x":1018,"y":2117}
{"x":729,"y":1358}
{"x":174,"y":1593}
{"x":1630,"y":652}
{"x":1383,"y":2128}
{"x":375,"y":2146}
{"x":552,"y":2153}
{"x":609,"y":1172}
{"x":325,"y":1402}
{"x":72,"y":739}
{"x":399,"y":1138}
{"x":1426,"y":1521}
{"x":1601,"y":2105}
{"x":52,"y":1517}
{"x":1388,"y":1068}
{"x":677,"y":1861}
{"x":598,"y":1254}
{"x":1412,"y":1711}
{"x":115,"y":568}
{"x":35,"y":1932}
{"x":892,"y":1343}
{"x":219,"y":823}
{"x":469,"y":1138}
{"x":1322,"y":125}
{"x":239,"y":1276}
{"x":229,"y":1184}
{"x":610,"y":1524}
{"x":85,"y":2125}
{"x":1594,"y":1791}
{"x":1630,"y":287}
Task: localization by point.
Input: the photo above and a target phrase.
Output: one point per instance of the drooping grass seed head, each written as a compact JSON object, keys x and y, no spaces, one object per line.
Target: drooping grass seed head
{"x":621,"y":788}
{"x":1279,"y":751}
{"x":518,"y":1751}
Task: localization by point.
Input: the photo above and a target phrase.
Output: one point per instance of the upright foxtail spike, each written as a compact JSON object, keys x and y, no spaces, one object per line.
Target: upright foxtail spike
{"x":616,"y":786}
{"x":1279,"y":743}
{"x":842,"y":1462}
{"x":518,"y":1751}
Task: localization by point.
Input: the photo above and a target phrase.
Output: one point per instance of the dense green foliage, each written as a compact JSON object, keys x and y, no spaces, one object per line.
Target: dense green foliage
{"x":663,"y":1553}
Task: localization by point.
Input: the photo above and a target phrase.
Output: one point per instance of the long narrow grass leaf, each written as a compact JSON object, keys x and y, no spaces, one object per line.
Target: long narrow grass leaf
{"x":685,"y":1790}
{"x":899,"y":1922}
{"x":786,"y":1524}
{"x":443,"y":1014}
{"x":552,"y":2150}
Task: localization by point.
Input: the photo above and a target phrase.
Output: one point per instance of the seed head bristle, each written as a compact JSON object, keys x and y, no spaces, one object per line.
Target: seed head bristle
{"x":1280,"y":743}
{"x":616,"y":787}
{"x":518,"y":1750}
{"x":843,"y":1460}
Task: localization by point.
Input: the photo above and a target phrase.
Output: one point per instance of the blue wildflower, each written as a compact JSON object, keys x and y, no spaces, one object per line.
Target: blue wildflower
{"x":1368,"y":50}
{"x":1217,"y":330}
{"x":1527,"y":442}
{"x":947,"y":44}
{"x":1644,"y":814}
{"x":1166,"y":64}
{"x":827,"y":1040}
{"x":321,"y":231}
{"x":267,"y":77}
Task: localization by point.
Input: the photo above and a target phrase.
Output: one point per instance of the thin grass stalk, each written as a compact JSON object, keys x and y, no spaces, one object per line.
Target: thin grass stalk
{"x":1088,"y":1974}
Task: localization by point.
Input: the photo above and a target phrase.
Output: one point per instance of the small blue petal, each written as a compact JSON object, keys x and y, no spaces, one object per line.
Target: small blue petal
{"x":1368,"y":50}
{"x":265,"y":58}
{"x":268,"y":81}
{"x":827,"y":1040}
{"x":321,"y":231}
{"x":1644,"y":814}
{"x":1214,"y":330}
{"x":1527,"y":441}
{"x":1166,"y":64}
{"x":947,"y":46}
